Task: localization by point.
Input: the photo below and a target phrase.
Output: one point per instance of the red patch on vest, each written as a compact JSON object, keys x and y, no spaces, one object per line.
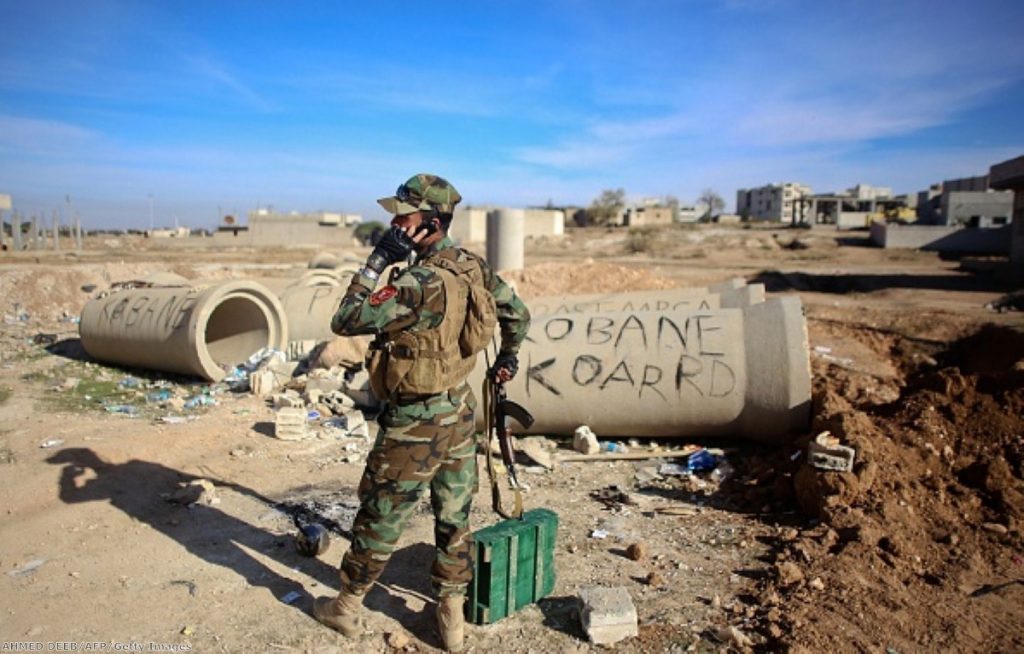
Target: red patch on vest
{"x":383,"y":295}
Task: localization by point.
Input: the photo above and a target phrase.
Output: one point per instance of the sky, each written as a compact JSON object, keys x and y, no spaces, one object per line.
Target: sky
{"x":123,"y":111}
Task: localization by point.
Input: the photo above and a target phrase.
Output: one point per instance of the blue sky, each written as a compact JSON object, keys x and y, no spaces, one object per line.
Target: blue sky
{"x":220,"y":106}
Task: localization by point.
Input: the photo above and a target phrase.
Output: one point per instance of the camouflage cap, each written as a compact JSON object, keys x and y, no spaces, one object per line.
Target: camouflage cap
{"x":422,"y":192}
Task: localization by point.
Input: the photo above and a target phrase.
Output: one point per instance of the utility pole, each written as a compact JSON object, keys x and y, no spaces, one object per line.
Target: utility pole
{"x":150,"y":214}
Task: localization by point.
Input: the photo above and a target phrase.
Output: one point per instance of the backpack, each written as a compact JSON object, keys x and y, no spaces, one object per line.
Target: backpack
{"x":481,"y":309}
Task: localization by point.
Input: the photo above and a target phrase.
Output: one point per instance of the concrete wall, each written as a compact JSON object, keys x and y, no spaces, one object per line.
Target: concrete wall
{"x":544,"y":222}
{"x":942,"y":238}
{"x":853,"y":219}
{"x":469,"y":225}
{"x":977,"y":208}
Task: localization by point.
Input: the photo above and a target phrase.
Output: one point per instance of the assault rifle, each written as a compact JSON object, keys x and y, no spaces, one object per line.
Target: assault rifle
{"x":497,"y":411}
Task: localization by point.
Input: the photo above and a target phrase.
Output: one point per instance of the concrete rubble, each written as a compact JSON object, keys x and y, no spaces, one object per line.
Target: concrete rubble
{"x":607,"y":615}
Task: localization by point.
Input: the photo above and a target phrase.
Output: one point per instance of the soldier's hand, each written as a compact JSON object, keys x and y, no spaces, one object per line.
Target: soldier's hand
{"x":505,"y":367}
{"x":393,"y":247}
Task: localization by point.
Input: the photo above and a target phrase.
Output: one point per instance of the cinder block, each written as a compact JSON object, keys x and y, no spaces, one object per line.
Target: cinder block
{"x":825,"y":453}
{"x":608,"y":614}
{"x":290,"y":424}
{"x":262,"y":383}
{"x":288,"y":399}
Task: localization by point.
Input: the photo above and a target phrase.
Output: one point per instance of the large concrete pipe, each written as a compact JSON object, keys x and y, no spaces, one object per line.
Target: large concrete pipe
{"x":309,"y":310}
{"x":506,"y":229}
{"x":187,"y":330}
{"x":671,"y":299}
{"x":721,"y":372}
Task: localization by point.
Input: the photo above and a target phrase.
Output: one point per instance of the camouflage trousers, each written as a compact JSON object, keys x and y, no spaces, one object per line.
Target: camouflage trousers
{"x":423,"y":444}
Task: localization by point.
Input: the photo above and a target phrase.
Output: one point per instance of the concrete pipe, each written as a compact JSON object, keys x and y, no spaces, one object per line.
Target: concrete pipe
{"x":309,"y":310}
{"x":324,"y":260}
{"x":506,"y":230}
{"x":672,"y":299}
{"x":187,"y":330}
{"x":721,"y":372}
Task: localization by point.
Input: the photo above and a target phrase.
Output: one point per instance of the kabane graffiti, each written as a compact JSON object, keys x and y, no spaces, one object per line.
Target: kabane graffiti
{"x":138,"y":312}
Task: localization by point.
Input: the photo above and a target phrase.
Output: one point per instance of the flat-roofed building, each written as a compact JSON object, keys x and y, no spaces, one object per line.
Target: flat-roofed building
{"x":777,"y":202}
{"x":268,"y":228}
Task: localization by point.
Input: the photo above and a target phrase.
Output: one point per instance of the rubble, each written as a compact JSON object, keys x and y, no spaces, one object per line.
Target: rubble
{"x":290,"y":423}
{"x":607,"y":615}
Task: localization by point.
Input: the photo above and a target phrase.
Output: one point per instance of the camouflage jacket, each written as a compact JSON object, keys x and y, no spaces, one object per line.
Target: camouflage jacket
{"x":415,"y":300}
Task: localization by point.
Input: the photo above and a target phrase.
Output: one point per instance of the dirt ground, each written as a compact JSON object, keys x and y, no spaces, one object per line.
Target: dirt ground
{"x":919,"y":548}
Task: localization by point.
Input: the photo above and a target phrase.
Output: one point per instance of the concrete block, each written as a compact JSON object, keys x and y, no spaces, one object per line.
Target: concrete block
{"x":358,"y":388}
{"x":290,"y":424}
{"x":313,"y":395}
{"x":825,"y":453}
{"x":585,"y":441}
{"x":324,"y":383}
{"x":288,"y":399}
{"x":607,"y":614}
{"x":263,"y":383}
{"x":338,"y":401}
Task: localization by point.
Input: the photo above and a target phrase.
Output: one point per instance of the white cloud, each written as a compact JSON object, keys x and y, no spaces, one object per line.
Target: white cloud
{"x":34,"y":136}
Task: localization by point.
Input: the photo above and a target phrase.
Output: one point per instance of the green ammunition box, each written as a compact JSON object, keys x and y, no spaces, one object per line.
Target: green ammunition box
{"x":514,"y":566}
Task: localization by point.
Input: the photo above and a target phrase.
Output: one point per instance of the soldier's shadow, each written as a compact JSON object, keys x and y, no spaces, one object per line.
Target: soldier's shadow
{"x":403,"y":592}
{"x":137,"y":488}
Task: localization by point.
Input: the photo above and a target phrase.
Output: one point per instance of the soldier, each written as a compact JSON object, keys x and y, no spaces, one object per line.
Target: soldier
{"x":427,"y":321}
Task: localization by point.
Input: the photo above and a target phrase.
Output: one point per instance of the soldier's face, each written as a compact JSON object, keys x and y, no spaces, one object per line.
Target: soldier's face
{"x":408,"y":220}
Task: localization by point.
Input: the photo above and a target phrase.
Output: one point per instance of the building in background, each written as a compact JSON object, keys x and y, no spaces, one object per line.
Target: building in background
{"x":647,"y":215}
{"x":784,"y":202}
{"x":267,"y":228}
{"x":966,"y":201}
{"x":1009,"y":176}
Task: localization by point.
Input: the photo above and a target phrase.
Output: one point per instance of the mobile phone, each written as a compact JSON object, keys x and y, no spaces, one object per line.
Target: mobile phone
{"x":428,"y":228}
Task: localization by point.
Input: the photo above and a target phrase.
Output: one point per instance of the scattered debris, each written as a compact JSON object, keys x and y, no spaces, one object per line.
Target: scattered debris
{"x":197,"y":491}
{"x":584,"y":441}
{"x":51,"y":442}
{"x":607,"y":615}
{"x":291,"y":596}
{"x":290,"y":424}
{"x":825,"y":453}
{"x":397,"y":640}
{"x":27,"y":569}
{"x":637,"y":551}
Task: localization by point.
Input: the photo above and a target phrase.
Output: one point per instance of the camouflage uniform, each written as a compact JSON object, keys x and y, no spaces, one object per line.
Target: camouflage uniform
{"x":424,"y":440}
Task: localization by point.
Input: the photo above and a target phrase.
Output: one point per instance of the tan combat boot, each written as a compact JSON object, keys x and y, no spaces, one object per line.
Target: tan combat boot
{"x":341,"y":613}
{"x":450,"y":623}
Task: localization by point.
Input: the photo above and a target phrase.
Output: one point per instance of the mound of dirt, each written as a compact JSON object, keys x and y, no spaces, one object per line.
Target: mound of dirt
{"x":919,"y":547}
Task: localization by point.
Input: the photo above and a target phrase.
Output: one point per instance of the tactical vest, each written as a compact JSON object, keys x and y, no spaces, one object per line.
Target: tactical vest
{"x":432,"y":361}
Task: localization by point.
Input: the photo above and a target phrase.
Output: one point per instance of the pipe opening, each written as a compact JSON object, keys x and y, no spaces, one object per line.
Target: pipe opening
{"x":236,"y":329}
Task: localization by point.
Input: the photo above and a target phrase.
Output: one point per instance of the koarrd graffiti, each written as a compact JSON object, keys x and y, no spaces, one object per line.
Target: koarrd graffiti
{"x":653,"y":357}
{"x":139,"y":311}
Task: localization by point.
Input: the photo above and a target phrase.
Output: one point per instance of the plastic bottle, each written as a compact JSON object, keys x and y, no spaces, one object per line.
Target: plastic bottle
{"x":701,"y":460}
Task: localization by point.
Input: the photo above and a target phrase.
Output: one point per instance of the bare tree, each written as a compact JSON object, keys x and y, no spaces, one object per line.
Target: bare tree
{"x":606,"y":207}
{"x":713,"y":201}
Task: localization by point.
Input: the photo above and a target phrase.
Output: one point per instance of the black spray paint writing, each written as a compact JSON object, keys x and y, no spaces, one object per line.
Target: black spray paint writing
{"x":618,"y":306}
{"x":661,"y":357}
{"x":138,"y":312}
